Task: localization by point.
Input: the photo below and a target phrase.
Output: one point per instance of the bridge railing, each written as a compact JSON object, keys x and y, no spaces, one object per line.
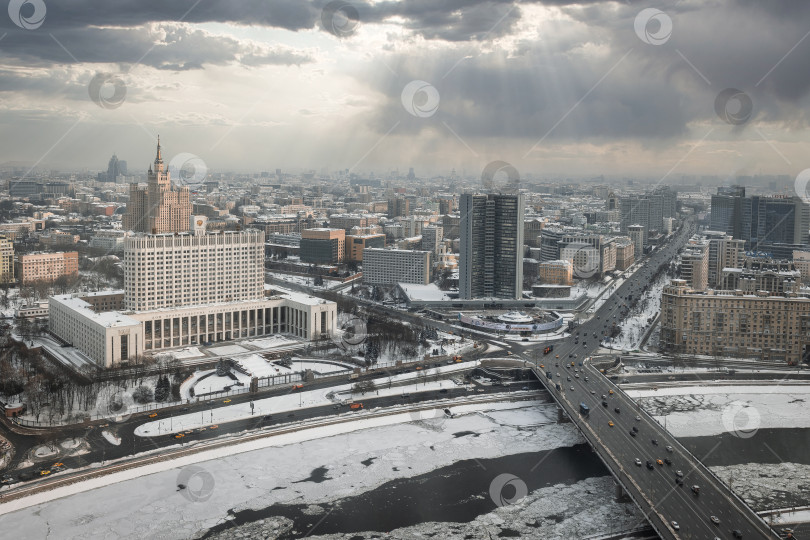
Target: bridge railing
{"x":612,"y":464}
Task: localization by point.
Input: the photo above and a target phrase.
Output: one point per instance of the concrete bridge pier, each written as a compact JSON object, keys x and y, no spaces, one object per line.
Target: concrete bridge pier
{"x":619,"y":491}
{"x":561,"y":416}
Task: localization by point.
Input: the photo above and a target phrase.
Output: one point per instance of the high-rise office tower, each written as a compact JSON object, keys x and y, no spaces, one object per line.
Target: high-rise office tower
{"x":649,"y":209}
{"x":491,"y":238}
{"x":159,"y":208}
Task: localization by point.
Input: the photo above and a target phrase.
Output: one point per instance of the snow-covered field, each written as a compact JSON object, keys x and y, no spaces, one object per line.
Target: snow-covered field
{"x":694,"y":411}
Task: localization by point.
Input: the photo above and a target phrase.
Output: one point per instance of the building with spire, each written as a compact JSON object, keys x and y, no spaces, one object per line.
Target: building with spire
{"x":159,"y":208}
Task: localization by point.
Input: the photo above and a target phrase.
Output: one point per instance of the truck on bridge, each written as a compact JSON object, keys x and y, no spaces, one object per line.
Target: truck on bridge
{"x":584,"y":409}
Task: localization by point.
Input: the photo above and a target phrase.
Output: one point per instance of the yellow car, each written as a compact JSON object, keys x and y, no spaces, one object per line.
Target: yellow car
{"x":542,"y":366}
{"x":659,"y":461}
{"x":610,"y":391}
{"x":179,"y":436}
{"x":215,"y":426}
{"x":610,"y":424}
{"x":153,"y":415}
{"x":226,"y":401}
{"x":44,"y":473}
{"x":59,"y":464}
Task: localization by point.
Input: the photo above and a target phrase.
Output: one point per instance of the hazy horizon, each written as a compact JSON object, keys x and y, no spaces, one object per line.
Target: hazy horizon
{"x":556,"y":88}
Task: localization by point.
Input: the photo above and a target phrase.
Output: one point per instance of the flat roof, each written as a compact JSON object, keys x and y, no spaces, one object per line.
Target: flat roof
{"x":108,"y":319}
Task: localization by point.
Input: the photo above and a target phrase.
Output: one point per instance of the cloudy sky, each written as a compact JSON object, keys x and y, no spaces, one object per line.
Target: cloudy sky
{"x":551,"y":86}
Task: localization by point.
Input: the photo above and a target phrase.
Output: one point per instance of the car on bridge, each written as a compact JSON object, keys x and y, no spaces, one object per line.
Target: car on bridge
{"x":696,"y":490}
{"x":650,"y":465}
{"x":638,"y":462}
{"x":654,"y":442}
{"x":715,"y":520}
{"x":632,"y":433}
{"x":610,"y":424}
{"x":675,"y":525}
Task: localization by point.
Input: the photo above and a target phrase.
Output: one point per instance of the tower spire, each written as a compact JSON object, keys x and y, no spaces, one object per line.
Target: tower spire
{"x":158,"y":158}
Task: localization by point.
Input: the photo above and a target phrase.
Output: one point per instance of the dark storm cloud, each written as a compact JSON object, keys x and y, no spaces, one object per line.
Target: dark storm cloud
{"x":652,"y":95}
{"x":167,"y":46}
{"x":289,"y":14}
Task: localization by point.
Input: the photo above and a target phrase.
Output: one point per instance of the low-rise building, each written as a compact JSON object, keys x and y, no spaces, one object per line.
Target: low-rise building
{"x":559,"y":272}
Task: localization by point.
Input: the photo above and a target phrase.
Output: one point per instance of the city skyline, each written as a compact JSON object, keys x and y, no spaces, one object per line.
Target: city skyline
{"x":553,"y":87}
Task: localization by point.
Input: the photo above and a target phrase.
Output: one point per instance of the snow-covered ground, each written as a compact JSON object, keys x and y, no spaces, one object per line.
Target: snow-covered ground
{"x":694,"y":411}
{"x":307,"y":280}
{"x":256,"y":366}
{"x":295,"y":401}
{"x":635,"y":324}
{"x":147,"y":503}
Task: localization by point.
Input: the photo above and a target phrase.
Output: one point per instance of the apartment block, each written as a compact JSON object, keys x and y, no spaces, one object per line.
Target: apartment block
{"x":695,"y":264}
{"x":734,"y":323}
{"x":6,"y":260}
{"x":390,"y":266}
{"x":625,"y":254}
{"x":47,"y":267}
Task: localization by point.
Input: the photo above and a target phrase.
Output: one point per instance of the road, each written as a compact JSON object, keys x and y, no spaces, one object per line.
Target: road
{"x":657,"y":487}
{"x":101,"y":450}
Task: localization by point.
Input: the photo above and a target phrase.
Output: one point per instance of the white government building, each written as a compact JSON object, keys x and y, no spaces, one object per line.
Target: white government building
{"x":185,"y":289}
